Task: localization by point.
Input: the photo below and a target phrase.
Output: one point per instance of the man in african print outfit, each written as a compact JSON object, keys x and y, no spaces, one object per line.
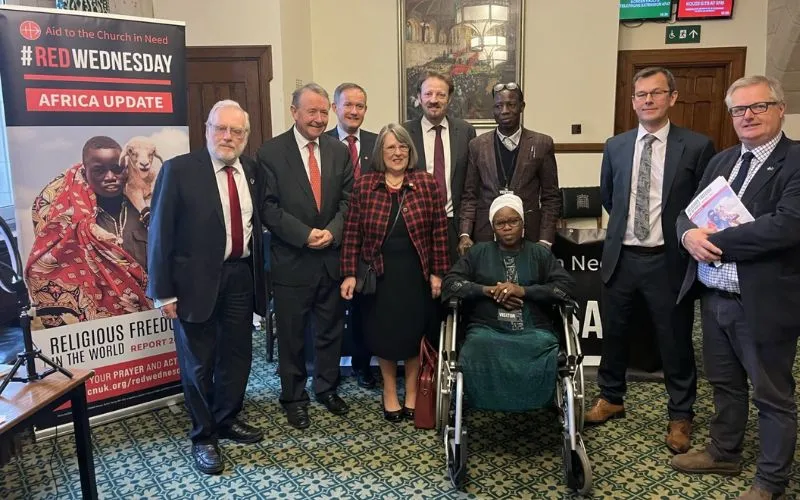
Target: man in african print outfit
{"x":90,"y":248}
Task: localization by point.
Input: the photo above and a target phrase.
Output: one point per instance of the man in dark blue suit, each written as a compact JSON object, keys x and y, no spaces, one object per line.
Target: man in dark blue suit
{"x":205,"y":272}
{"x":350,"y":105}
{"x":648,"y":176}
{"x":309,"y":180}
{"x":749,"y":280}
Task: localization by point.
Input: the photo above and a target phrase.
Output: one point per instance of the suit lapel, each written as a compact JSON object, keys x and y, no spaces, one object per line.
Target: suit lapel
{"x":328,"y":174}
{"x":416,"y":136}
{"x":295,"y":162}
{"x":209,"y":177}
{"x":671,"y":162}
{"x":453,"y":131}
{"x":626,"y":159}
{"x":526,"y":141}
{"x":770,"y":167}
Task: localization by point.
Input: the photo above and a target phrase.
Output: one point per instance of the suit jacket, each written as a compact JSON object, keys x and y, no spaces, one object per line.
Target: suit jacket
{"x":187,"y":235}
{"x":368,"y":222}
{"x":766,"y":251}
{"x":461,"y":133}
{"x":368,"y":140}
{"x":686,"y":159}
{"x":290,"y":211}
{"x":535,"y":180}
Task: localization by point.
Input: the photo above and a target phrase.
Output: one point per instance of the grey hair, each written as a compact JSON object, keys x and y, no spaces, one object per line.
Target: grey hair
{"x":347,"y":86}
{"x":403,"y":137}
{"x":775,"y":87}
{"x":228,"y":103}
{"x":311,"y":87}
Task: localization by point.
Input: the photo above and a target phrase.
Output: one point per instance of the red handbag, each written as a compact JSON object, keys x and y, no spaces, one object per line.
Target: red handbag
{"x":425,"y":412}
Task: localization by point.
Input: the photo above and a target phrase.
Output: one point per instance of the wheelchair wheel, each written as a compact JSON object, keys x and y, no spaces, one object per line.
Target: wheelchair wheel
{"x":444,"y":395}
{"x":577,"y":469}
{"x":456,"y":457}
{"x":580,"y":399}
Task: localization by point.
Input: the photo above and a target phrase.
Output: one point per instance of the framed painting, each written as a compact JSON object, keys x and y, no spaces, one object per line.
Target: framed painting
{"x":478,"y":43}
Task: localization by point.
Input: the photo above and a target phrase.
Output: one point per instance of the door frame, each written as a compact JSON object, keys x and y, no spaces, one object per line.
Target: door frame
{"x":261,"y":54}
{"x":631,"y":61}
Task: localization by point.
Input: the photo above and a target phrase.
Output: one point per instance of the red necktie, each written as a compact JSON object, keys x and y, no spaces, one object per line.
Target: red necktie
{"x":314,"y":176}
{"x":351,"y":144}
{"x":237,"y":233}
{"x":438,"y":162}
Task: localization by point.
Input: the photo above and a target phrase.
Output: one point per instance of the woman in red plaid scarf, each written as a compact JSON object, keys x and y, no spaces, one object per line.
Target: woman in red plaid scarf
{"x":397,"y":224}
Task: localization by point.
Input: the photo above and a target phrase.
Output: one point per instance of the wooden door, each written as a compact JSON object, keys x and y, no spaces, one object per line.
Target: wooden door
{"x":702,"y":77}
{"x":239,"y":73}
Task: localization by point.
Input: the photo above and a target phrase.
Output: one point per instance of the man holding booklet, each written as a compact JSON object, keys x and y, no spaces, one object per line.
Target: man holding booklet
{"x":749,"y":278}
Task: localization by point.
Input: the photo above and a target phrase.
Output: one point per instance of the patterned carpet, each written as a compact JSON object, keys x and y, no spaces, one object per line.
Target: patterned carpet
{"x":363,"y":456}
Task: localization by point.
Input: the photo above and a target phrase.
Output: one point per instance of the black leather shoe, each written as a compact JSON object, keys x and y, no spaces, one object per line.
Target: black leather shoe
{"x":241,"y":433}
{"x":207,"y":458}
{"x":334,"y":403}
{"x":298,"y":417}
{"x":365,"y":379}
{"x":393,"y":416}
{"x":408,"y":413}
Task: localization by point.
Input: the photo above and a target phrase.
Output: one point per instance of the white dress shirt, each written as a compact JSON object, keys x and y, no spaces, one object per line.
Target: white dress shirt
{"x":656,"y":236}
{"x":429,"y":140}
{"x":510,"y":141}
{"x":344,"y":135}
{"x":302,"y":143}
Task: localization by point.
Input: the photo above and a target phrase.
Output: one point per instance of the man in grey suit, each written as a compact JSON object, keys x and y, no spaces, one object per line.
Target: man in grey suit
{"x":442,"y":144}
{"x":749,"y":280}
{"x":350,"y":106}
{"x":648,"y":176}
{"x":308,"y":185}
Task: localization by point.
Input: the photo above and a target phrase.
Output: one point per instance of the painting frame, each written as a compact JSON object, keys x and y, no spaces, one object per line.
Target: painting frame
{"x":473,"y":69}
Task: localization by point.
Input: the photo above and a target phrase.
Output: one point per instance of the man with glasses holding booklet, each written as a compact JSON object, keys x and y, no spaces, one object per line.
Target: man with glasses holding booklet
{"x":749,"y":280}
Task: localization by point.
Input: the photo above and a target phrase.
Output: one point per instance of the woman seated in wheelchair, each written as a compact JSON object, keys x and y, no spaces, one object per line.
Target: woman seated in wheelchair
{"x":508,"y":289}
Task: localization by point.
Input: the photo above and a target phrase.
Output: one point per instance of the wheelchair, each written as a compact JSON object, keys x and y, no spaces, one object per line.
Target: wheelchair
{"x":569,"y":398}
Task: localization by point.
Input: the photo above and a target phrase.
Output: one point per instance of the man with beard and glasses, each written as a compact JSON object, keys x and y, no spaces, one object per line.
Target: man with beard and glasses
{"x":206,"y":272}
{"x":442,"y":144}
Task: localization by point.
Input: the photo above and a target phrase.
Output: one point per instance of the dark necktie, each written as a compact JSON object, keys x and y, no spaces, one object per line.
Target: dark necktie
{"x":438,"y":162}
{"x":314,"y":175}
{"x":351,"y":144}
{"x":641,"y":215}
{"x":738,"y":182}
{"x":237,"y":232}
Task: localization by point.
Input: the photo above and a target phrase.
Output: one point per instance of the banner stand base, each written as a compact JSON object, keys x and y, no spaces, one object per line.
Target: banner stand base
{"x":105,"y":418}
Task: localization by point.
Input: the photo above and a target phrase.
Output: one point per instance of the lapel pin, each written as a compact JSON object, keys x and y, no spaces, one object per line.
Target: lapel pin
{"x":770,"y":168}
{"x":252,"y":181}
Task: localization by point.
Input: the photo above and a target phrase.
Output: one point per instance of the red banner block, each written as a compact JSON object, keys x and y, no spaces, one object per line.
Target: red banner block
{"x":123,"y":378}
{"x":97,"y":101}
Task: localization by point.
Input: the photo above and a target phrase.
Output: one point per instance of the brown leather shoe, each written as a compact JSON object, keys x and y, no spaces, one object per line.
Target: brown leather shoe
{"x":602,"y":410}
{"x":758,"y":493}
{"x":679,"y":435}
{"x":701,"y":462}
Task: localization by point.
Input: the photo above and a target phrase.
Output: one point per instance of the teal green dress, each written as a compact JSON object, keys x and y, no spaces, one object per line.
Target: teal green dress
{"x":509,"y":358}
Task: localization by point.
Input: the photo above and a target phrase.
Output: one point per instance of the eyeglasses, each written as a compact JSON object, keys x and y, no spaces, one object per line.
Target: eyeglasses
{"x":757,"y":108}
{"x":504,"y":86}
{"x":403,"y":148}
{"x":236,"y":132}
{"x":510,"y":223}
{"x":656,"y":94}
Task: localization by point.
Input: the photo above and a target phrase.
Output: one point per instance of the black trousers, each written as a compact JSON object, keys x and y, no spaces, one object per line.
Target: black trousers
{"x":360,"y":353}
{"x":294,"y":306}
{"x":452,"y":240}
{"x":733,"y":353}
{"x":215,"y":356}
{"x":646,"y":275}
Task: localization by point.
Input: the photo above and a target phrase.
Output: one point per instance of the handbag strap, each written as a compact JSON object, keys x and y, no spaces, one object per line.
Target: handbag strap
{"x":396,"y":217}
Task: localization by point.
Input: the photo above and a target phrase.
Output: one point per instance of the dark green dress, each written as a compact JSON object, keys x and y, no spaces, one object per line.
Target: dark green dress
{"x":509,"y":358}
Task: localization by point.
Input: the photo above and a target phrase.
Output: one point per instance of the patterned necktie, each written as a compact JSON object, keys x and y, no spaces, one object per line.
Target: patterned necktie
{"x":641,"y":220}
{"x":438,"y":162}
{"x":314,"y":176}
{"x":738,"y":182}
{"x":237,"y":232}
{"x":351,"y":144}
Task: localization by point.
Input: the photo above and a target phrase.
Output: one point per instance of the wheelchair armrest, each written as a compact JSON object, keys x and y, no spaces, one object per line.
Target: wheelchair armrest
{"x":454,"y":302}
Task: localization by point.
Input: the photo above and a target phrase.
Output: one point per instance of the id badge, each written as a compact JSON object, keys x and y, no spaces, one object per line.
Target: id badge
{"x":512,"y":319}
{"x":506,"y":191}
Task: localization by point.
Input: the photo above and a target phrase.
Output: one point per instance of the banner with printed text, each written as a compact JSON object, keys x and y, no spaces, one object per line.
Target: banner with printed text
{"x":94,"y":104}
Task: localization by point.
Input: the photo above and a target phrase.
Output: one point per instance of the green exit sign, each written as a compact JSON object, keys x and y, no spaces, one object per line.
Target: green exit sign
{"x":689,"y":33}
